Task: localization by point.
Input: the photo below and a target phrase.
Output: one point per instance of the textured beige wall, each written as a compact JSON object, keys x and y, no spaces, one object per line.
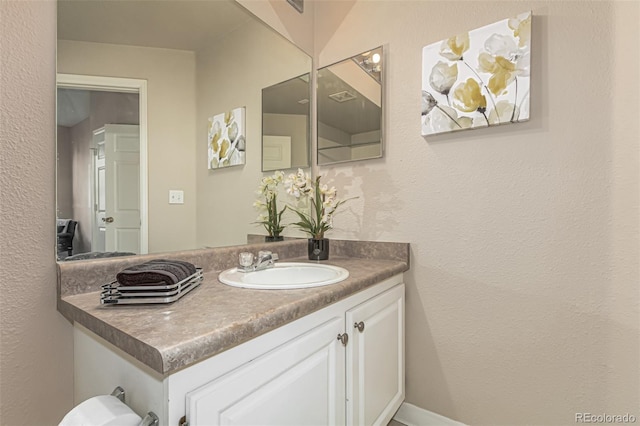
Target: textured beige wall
{"x":36,"y":346}
{"x":170,"y":76}
{"x":522,"y":298}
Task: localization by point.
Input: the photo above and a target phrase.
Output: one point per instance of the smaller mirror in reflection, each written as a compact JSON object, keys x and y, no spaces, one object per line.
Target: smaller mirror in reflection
{"x":350,"y":109}
{"x":285,"y":124}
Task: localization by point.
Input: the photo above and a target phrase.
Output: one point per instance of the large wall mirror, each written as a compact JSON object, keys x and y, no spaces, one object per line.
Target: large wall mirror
{"x":350,"y":99}
{"x":140,"y":82}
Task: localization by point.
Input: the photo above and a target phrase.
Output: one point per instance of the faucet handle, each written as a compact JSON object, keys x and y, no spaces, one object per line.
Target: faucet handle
{"x":245,"y":259}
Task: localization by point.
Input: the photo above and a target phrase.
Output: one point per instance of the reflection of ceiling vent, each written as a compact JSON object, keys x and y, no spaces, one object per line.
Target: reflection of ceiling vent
{"x":343,"y":96}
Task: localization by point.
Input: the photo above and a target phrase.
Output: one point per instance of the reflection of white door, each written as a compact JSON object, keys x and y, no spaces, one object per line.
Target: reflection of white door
{"x":276,"y":152}
{"x":98,"y":195}
{"x":119,"y":187}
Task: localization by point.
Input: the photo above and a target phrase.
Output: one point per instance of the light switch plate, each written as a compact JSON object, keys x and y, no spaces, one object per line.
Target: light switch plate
{"x":176,"y":196}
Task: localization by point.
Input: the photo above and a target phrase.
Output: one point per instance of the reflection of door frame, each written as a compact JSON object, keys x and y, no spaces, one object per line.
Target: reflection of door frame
{"x":97,"y":236}
{"x":123,"y":85}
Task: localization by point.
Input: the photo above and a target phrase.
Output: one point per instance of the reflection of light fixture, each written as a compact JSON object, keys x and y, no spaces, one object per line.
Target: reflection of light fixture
{"x":371,"y":62}
{"x":303,"y":101}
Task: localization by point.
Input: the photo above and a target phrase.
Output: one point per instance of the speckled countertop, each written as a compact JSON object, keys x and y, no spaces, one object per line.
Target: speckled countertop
{"x":215,"y":317}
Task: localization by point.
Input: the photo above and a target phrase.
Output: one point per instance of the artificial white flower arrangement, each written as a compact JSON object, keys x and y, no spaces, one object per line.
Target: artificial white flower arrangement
{"x":323,"y":200}
{"x":270,"y":217}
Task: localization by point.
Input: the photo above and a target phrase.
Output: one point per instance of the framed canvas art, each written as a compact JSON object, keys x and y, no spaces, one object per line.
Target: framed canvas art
{"x":477,"y":79}
{"x":227,"y":141}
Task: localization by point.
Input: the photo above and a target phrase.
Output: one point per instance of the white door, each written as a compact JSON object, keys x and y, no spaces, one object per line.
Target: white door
{"x":122,"y":188}
{"x":299,"y":383}
{"x":375,"y":359}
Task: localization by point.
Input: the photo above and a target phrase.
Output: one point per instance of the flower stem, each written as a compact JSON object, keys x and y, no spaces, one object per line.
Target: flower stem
{"x":450,"y":117}
{"x":515,"y":100}
{"x":485,"y":117}
{"x":485,"y":88}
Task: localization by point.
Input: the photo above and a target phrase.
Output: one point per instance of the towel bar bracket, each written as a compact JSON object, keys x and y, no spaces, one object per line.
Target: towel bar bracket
{"x":149,"y":420}
{"x":118,"y":392}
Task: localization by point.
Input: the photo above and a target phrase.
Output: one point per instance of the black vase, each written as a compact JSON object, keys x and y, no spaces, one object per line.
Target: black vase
{"x":318,"y":249}
{"x":271,"y":238}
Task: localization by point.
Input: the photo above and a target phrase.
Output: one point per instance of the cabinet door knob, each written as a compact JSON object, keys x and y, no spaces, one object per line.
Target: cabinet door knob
{"x":359,"y":326}
{"x":344,"y":338}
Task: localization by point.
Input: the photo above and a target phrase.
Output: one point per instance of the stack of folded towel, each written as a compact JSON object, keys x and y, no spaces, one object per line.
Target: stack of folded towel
{"x":156,"y":272}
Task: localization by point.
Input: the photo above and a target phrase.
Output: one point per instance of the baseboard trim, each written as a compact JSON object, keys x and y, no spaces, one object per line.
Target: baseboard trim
{"x":412,"y":415}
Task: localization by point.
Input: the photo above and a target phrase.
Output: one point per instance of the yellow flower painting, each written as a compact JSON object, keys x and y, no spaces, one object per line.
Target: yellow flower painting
{"x":477,"y":79}
{"x":226,"y":139}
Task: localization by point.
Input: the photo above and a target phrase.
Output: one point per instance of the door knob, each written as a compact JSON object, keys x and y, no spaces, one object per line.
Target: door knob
{"x":107,"y":219}
{"x":344,"y":338}
{"x":359,"y":326}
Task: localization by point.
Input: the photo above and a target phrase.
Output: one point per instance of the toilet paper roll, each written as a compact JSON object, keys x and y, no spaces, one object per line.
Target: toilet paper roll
{"x":102,"y":410}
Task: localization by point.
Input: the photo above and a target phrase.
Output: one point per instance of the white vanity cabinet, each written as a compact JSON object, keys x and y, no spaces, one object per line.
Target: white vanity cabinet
{"x":303,"y":373}
{"x":375,"y":359}
{"x":299,"y":383}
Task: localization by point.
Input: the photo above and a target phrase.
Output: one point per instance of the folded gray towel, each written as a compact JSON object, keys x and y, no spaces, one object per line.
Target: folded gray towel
{"x":156,"y":272}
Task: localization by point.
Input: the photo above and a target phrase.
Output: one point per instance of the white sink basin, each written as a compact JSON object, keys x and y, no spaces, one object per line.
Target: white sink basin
{"x":285,"y":276}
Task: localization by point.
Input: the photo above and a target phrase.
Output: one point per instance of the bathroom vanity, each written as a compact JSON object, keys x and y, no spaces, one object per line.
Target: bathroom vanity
{"x":226,"y":355}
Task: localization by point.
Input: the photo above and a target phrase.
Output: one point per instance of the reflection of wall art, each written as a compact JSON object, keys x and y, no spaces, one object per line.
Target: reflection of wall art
{"x":477,"y":79}
{"x":227,"y":139}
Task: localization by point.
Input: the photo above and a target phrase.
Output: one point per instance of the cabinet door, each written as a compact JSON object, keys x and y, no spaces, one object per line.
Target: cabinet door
{"x":375,"y":359}
{"x":299,"y":383}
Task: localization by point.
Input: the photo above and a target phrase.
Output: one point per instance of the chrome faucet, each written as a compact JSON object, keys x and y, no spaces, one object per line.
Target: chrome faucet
{"x":264,"y":260}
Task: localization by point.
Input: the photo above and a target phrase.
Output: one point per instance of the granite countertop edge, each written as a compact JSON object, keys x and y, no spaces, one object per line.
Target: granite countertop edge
{"x":215,"y":317}
{"x":166,"y":357}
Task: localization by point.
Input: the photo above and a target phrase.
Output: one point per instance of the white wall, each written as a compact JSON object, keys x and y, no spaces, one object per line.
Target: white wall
{"x":522,"y":298}
{"x":171,"y":127}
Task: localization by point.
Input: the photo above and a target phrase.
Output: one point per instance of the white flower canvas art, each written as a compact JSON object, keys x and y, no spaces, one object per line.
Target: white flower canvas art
{"x":227,"y":141}
{"x":477,"y":79}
